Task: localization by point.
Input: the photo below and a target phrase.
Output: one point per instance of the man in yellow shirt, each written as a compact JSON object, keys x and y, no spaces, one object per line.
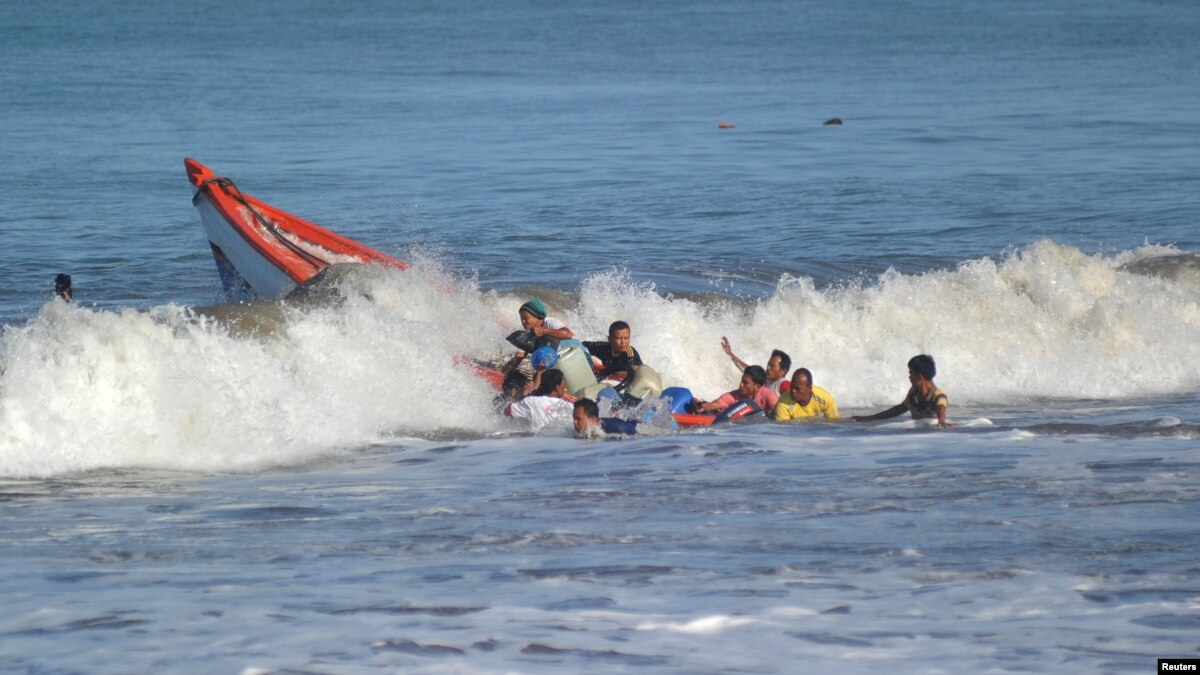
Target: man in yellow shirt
{"x":805,"y":400}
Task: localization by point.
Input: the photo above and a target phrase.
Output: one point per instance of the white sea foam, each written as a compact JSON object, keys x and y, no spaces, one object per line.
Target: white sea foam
{"x":88,"y":389}
{"x":709,"y":625}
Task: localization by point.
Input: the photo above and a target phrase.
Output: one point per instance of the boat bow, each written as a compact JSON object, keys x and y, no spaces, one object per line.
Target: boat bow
{"x":262,"y":251}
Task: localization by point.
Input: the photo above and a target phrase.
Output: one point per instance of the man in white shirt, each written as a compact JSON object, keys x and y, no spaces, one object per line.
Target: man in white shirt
{"x":545,"y":407}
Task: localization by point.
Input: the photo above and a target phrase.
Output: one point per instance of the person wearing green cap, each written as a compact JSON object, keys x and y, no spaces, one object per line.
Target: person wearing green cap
{"x":543,"y":331}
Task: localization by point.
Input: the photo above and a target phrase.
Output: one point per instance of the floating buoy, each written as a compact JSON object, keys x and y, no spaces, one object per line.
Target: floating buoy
{"x":833,"y":120}
{"x":725,"y":125}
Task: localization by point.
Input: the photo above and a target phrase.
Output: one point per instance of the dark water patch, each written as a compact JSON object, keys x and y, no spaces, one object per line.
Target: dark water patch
{"x":1000,"y":574}
{"x":1153,"y":463}
{"x":547,"y":466}
{"x":726,"y":446}
{"x":627,"y":473}
{"x":133,"y":556}
{"x":1124,"y":430}
{"x":1173,"y":267}
{"x":416,"y":649}
{"x":832,"y":640}
{"x":403,"y":610}
{"x":1170,"y":621}
{"x":274,"y":513}
{"x":443,"y":449}
{"x":819,"y":586}
{"x":440,"y":578}
{"x":116,"y":621}
{"x":1140,"y":595}
{"x":763,"y":571}
{"x":75,"y":577}
{"x":574,"y":604}
{"x":18,"y":496}
{"x":1123,"y":465}
{"x":717,"y":215}
{"x":836,"y":610}
{"x":167,"y":508}
{"x":806,"y":471}
{"x":488,"y":645}
{"x":413,"y":460}
{"x":742,"y":593}
{"x":606,"y":655}
{"x":632,"y":574}
{"x":667,"y":449}
{"x":1135,"y":660}
{"x":743,"y":452}
{"x":896,"y":635}
{"x":537,"y":649}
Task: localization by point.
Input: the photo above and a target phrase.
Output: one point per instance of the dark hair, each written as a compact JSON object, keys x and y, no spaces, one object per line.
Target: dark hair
{"x":550,"y":381}
{"x":616,"y":326}
{"x":923,"y":365}
{"x":757,"y":374}
{"x":784,"y":359}
{"x":589,"y":407}
{"x":805,"y":372}
{"x":514,"y":380}
{"x":62,"y":286}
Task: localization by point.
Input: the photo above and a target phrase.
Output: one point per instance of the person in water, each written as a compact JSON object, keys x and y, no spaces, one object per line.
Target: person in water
{"x":803,"y":400}
{"x":750,"y":389}
{"x":62,"y":287}
{"x":545,"y":406}
{"x":777,"y":366}
{"x":541,"y":360}
{"x":588,"y":422}
{"x":540,"y":331}
{"x":617,"y":355}
{"x":923,"y":400}
{"x":512,"y":389}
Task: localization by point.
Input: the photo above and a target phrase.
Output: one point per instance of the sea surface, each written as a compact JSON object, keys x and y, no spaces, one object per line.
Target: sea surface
{"x":1014,"y":189}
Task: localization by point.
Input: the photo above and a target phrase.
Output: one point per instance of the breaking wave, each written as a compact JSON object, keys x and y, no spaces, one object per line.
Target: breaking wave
{"x":243,"y":388}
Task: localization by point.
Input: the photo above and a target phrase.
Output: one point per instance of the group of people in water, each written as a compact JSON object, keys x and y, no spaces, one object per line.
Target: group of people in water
{"x":767,"y":390}
{"x":535,"y":392}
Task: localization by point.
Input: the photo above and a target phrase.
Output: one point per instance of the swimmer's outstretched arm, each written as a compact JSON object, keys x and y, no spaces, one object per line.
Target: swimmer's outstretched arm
{"x":894,"y":411}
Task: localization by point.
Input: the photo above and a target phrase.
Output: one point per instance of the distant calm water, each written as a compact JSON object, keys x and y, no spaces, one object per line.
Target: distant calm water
{"x":1015,"y":189}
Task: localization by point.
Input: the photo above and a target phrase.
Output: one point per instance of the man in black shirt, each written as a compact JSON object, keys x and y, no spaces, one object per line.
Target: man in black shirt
{"x":617,"y":355}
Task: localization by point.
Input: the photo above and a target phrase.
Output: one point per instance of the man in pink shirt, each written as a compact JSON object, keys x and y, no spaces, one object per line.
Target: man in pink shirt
{"x":750,"y":390}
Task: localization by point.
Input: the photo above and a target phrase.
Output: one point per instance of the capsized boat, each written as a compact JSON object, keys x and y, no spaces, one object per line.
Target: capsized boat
{"x":263,"y":252}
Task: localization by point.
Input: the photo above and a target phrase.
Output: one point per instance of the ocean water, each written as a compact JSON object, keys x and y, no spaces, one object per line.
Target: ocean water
{"x":1015,"y":190}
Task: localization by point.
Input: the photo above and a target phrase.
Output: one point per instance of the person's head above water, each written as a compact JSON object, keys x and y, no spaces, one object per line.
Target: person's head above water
{"x":514,"y":385}
{"x":586,"y":415}
{"x":922,"y":365}
{"x":62,"y":286}
{"x":752,"y":380}
{"x":778,"y":365}
{"x":619,"y":336}
{"x":553,"y":384}
{"x":802,"y":386}
{"x":534,"y":308}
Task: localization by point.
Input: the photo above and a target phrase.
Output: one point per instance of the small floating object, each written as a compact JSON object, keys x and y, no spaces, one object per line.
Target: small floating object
{"x":833,"y":120}
{"x":726,"y":125}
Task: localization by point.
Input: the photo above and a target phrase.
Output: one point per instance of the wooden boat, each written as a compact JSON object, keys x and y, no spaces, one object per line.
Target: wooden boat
{"x":263,"y":252}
